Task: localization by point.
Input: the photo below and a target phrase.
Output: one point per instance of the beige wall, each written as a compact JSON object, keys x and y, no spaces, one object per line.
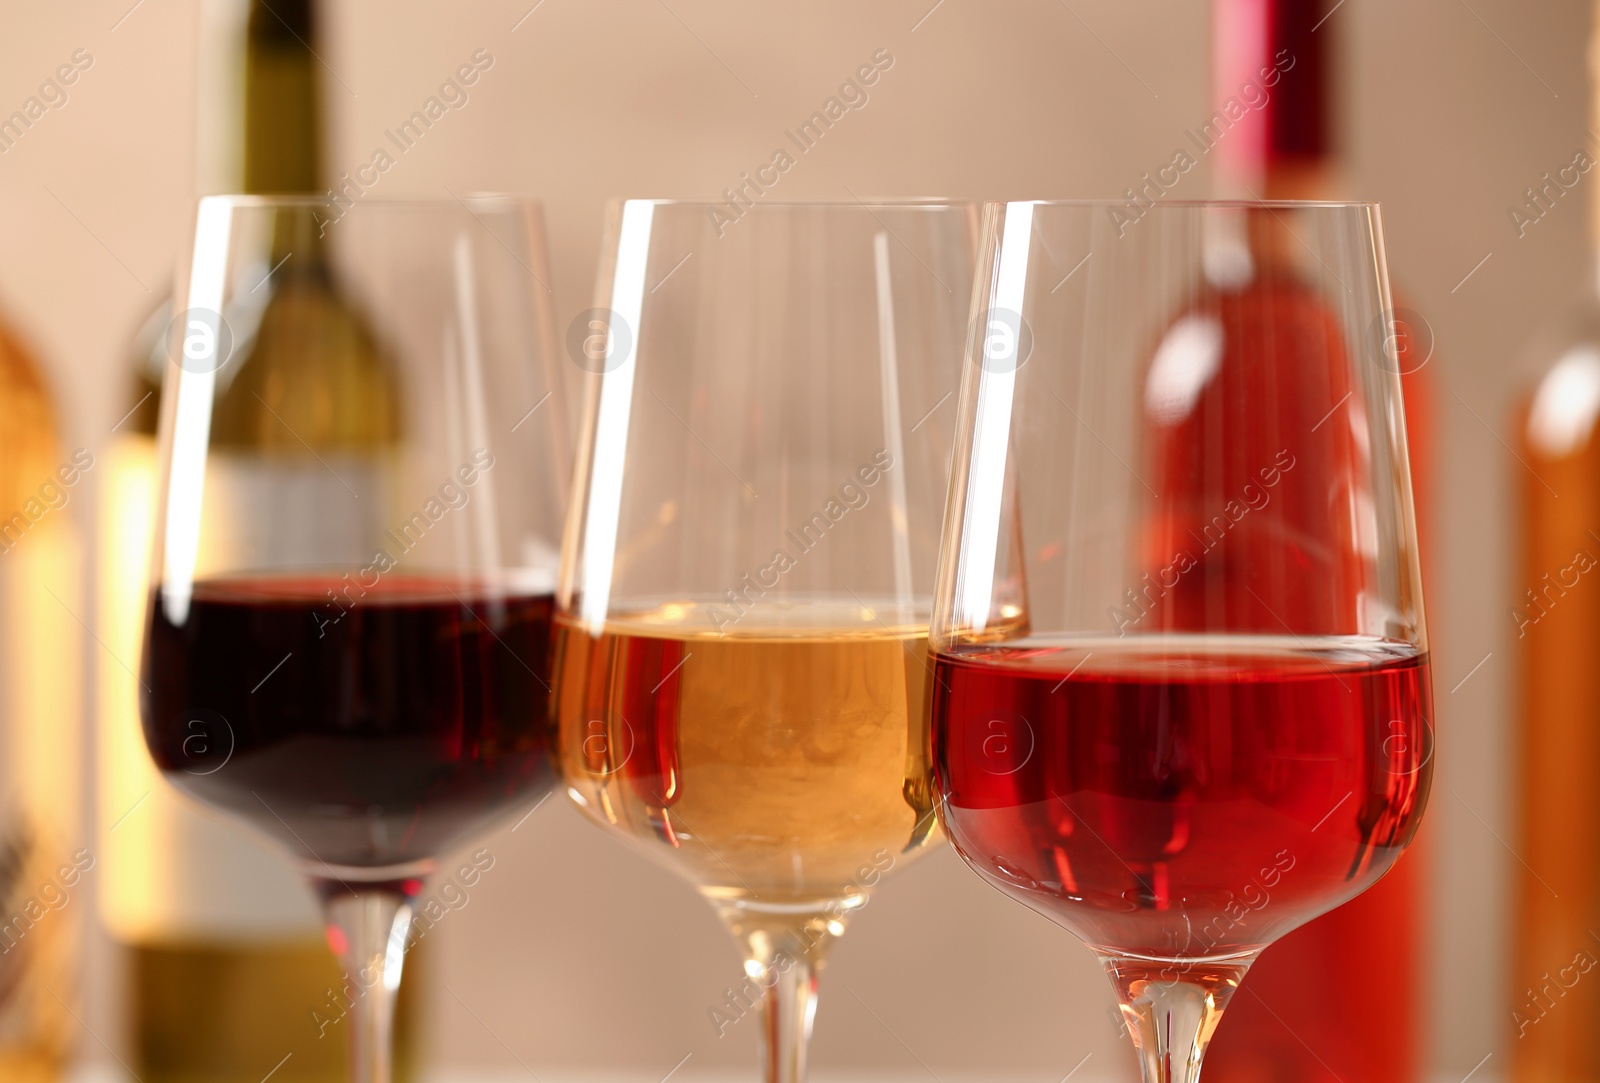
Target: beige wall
{"x":573,"y":951}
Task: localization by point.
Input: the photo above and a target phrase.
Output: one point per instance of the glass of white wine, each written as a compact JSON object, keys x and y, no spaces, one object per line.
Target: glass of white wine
{"x":743,"y":608}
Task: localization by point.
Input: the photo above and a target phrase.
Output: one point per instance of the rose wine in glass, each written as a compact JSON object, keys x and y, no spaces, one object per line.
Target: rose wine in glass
{"x":1269,"y":736}
{"x":1181,"y":701}
{"x":361,"y":479}
{"x":741,"y":648}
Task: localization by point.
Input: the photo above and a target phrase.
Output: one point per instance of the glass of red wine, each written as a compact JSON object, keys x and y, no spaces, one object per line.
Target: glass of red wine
{"x":362,"y":481}
{"x":1182,"y":701}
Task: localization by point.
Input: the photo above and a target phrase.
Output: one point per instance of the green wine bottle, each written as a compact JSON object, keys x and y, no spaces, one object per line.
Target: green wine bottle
{"x":227,"y":964}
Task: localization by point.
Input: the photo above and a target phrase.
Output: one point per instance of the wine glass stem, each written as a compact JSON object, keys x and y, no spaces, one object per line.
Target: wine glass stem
{"x":787,"y":1009}
{"x":1171,"y":1013}
{"x":783,"y":955}
{"x":1170,"y":1030}
{"x":367,"y":928}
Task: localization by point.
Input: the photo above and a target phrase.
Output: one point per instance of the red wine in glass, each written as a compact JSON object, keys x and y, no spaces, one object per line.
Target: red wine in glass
{"x":372,"y":733}
{"x":1185,"y":797}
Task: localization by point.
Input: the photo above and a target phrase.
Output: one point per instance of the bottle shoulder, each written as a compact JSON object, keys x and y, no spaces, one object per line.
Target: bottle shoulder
{"x":1561,"y":406}
{"x":308,"y":372}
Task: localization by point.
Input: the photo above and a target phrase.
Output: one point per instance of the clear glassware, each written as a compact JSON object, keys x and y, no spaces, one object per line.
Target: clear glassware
{"x":1182,"y":702}
{"x":749,"y":561}
{"x":361,"y":480}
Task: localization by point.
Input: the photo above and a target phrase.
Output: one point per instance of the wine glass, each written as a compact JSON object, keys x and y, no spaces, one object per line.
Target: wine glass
{"x":1182,"y":702}
{"x":748,"y":570}
{"x":362,"y":477}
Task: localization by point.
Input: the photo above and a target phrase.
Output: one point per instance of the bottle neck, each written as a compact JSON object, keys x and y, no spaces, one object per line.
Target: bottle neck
{"x":1302,"y":180}
{"x":282,"y":106}
{"x":1273,"y":119}
{"x":259,"y":102}
{"x":258,"y":113}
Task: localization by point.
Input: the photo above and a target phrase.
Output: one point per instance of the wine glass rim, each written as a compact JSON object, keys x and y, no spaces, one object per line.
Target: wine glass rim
{"x":1199,"y":204}
{"x":312,"y":201}
{"x":909,"y":203}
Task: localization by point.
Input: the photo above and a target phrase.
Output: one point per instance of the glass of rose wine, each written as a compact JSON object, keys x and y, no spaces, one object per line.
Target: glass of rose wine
{"x":362,"y":477}
{"x":748,"y":570}
{"x":1182,"y":701}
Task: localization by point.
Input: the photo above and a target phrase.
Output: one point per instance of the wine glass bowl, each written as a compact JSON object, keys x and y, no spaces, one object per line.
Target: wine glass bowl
{"x":747,"y":577}
{"x":1181,"y":800}
{"x":700,"y":750}
{"x":405,"y":726}
{"x":362,"y":479}
{"x":1182,"y":701}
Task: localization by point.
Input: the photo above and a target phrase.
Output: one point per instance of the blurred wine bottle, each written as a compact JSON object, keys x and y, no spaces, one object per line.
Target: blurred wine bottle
{"x":1555,"y":1010}
{"x":43,"y":856}
{"x":1274,"y":136}
{"x":228,"y":975}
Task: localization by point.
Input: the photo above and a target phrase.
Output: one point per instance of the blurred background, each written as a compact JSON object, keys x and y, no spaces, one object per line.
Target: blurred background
{"x":575,"y":957}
